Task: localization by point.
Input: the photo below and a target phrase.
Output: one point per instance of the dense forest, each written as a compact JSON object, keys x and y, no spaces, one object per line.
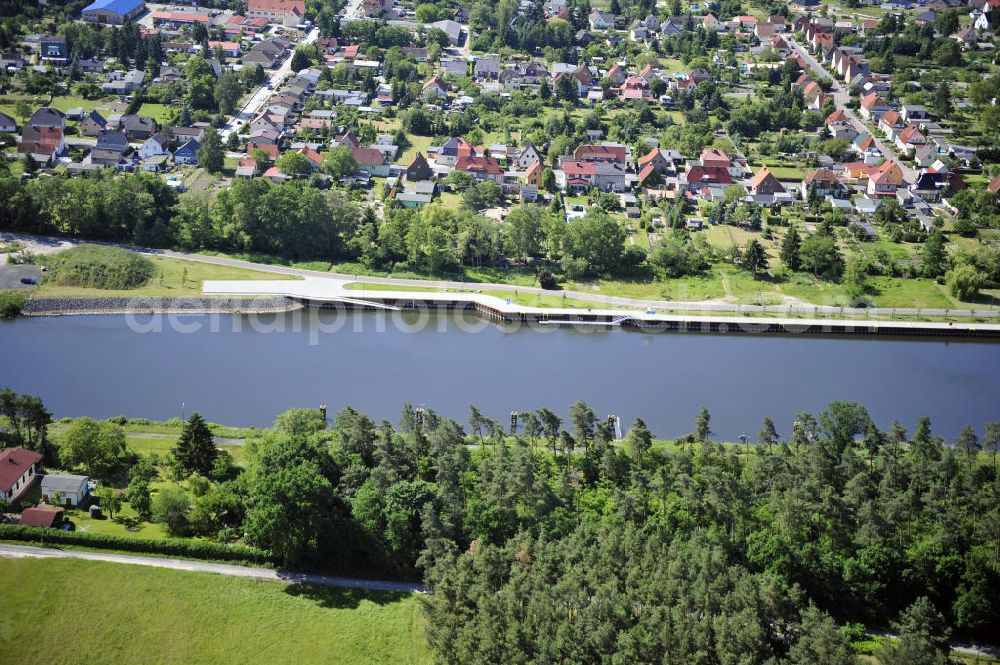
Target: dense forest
{"x":559,"y":543}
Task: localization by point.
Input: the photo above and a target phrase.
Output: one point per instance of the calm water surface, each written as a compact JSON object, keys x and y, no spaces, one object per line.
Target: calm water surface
{"x":242,"y":374}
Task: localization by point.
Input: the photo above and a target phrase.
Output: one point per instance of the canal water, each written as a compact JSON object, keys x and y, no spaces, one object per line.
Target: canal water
{"x":244,"y":370}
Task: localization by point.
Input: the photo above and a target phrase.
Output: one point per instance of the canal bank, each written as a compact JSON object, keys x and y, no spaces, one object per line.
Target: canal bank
{"x":336,"y":294}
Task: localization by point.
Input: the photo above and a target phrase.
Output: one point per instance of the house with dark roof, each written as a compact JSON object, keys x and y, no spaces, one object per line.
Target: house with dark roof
{"x":138,"y":127}
{"x":187,"y":153}
{"x":92,"y":124}
{"x":418,"y":169}
{"x":48,"y":117}
{"x":18,"y":470}
{"x":53,"y":50}
{"x":7,"y":124}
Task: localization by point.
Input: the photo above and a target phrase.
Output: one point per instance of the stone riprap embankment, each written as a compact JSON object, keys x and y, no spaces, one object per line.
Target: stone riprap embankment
{"x":54,"y":306}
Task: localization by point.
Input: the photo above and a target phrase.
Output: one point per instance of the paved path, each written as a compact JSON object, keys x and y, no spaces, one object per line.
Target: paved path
{"x":43,"y":244}
{"x":231,"y":570}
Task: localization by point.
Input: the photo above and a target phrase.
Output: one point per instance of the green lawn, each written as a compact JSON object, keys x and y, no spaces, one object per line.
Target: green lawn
{"x":170,"y":280}
{"x":161,"y":113}
{"x":125,"y":524}
{"x":149,"y":445}
{"x":95,"y":612}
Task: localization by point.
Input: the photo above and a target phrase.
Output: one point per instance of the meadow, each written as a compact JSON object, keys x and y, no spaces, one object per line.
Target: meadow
{"x":71,"y":611}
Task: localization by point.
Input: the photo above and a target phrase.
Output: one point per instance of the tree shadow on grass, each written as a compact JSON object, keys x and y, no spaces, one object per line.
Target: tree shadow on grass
{"x":343,"y":599}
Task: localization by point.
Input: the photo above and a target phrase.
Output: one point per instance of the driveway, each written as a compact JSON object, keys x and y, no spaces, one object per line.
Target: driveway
{"x":230,"y":570}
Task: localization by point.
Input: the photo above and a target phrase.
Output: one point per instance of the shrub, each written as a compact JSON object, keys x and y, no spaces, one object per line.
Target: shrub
{"x":547,"y":280}
{"x":168,"y":546}
{"x":11,"y":303}
{"x":98,"y":267}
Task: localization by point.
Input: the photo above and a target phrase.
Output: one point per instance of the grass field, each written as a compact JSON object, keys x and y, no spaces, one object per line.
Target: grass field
{"x":161,"y":113}
{"x":170,"y":280}
{"x":95,"y":612}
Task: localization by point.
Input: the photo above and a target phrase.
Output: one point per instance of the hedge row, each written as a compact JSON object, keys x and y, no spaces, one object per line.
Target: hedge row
{"x":170,"y":546}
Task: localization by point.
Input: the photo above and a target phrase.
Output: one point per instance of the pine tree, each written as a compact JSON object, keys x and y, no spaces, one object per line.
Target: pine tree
{"x":195,"y":451}
{"x":701,"y":429}
{"x":790,"y":249}
{"x":755,"y":258}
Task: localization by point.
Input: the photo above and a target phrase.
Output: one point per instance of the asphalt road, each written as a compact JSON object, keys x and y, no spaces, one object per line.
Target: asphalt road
{"x":841,"y":96}
{"x":259,"y":98}
{"x":230,"y":570}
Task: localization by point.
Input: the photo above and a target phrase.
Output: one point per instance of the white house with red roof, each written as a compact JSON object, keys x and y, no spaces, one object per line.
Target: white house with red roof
{"x":18,"y":469}
{"x":285,"y":12}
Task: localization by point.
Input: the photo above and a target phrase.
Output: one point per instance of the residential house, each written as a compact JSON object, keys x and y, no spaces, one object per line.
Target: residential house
{"x":885,"y":179}
{"x":866,"y":147}
{"x":228,"y":49}
{"x":600,"y":20}
{"x":480,"y":167}
{"x":417,"y":194}
{"x":418,"y":169}
{"x":187,"y":153}
{"x":873,"y":106}
{"x":452,"y":149}
{"x":533,"y":176}
{"x":156,"y":144}
{"x":764,"y":182}
{"x":53,"y":50}
{"x":7,"y":124}
{"x":824,"y":182}
{"x":181,"y":134}
{"x":603,"y":152}
{"x":138,"y":127}
{"x":48,"y":117}
{"x":43,"y":144}
{"x":120,"y":83}
{"x":64,"y":490}
{"x":909,"y":139}
{"x":110,"y":149}
{"x":18,"y":469}
{"x":486,"y":68}
{"x":457,"y":67}
{"x":267,"y":54}
{"x":527,"y":156}
{"x":891,"y":124}
{"x":450,"y":28}
{"x":994,"y":185}
{"x":376,"y":8}
{"x":711,"y":24}
{"x":524,"y":73}
{"x":434,"y":88}
{"x":371,"y":161}
{"x":914,"y":113}
{"x":584,"y":78}
{"x":635,"y":88}
{"x":284,"y":12}
{"x":92,"y":124}
{"x":606,"y":176}
{"x":113,"y":12}
{"x":655,"y":160}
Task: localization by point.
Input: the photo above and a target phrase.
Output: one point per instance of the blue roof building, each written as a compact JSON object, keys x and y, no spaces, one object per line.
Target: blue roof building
{"x":113,"y":12}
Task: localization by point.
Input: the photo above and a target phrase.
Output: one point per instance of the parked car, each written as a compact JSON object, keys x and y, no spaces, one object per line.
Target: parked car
{"x":30,"y":281}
